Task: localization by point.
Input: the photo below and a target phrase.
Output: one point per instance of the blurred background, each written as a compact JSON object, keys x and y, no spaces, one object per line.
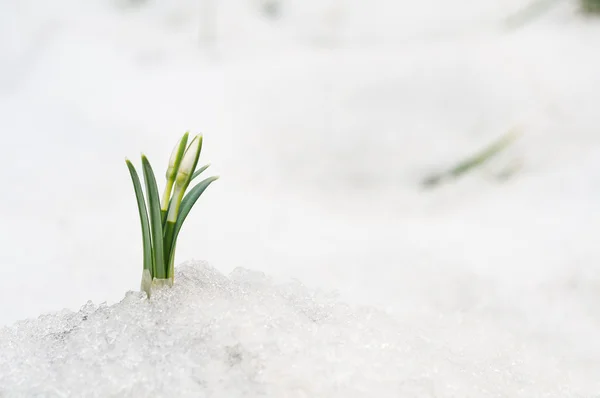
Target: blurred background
{"x":435,"y":159}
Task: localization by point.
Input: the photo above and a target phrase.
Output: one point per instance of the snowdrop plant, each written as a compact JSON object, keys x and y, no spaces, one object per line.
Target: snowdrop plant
{"x":161,"y":221}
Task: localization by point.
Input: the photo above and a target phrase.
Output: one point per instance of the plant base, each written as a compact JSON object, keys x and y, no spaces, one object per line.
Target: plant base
{"x":148,"y":284}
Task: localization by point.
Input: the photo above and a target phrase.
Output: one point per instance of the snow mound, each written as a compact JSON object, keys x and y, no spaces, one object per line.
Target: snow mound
{"x":243,"y":335}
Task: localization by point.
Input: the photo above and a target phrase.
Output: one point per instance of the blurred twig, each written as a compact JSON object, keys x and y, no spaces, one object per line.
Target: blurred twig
{"x":529,"y":13}
{"x":472,"y":162}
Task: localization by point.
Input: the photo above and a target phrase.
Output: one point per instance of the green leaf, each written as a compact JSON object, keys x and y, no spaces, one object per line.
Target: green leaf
{"x":200,"y":171}
{"x":139,"y":194}
{"x":155,"y":219}
{"x":186,"y":205}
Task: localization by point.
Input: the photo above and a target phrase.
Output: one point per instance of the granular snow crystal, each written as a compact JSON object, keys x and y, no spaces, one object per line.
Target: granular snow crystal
{"x":245,"y":336}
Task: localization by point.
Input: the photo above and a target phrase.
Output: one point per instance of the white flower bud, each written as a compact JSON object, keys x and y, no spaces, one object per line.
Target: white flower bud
{"x":175,"y":155}
{"x":189,"y":161}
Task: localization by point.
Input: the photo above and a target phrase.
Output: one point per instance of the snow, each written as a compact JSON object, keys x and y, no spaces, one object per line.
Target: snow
{"x":322,"y":124}
{"x":243,"y":335}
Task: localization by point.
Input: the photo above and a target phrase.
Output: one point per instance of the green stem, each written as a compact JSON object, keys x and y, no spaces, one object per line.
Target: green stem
{"x":169,"y":225}
{"x":166,"y":199}
{"x":168,"y":242}
{"x":175,"y":202}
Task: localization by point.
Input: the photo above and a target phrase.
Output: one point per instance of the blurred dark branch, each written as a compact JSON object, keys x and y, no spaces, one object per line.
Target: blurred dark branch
{"x":528,"y":13}
{"x":591,"y":7}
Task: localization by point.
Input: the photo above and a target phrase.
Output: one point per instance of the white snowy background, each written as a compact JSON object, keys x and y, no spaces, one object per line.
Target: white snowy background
{"x":322,"y":118}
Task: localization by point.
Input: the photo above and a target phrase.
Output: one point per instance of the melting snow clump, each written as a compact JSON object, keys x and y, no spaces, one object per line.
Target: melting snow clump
{"x":245,"y":336}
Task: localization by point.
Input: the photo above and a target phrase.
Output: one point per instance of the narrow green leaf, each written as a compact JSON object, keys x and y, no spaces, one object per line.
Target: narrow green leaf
{"x":484,"y":155}
{"x":186,"y":205}
{"x":139,"y":194}
{"x":155,"y":219}
{"x":200,"y":171}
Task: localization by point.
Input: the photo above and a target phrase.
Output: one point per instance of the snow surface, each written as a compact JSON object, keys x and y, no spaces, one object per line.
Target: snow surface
{"x":244,"y":336}
{"x":322,"y":124}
